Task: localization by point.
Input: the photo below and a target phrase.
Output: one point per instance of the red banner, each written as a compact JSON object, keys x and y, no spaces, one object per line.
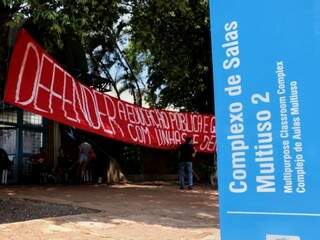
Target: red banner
{"x":37,"y":83}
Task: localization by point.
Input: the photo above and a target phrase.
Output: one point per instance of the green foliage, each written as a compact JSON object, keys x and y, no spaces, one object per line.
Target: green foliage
{"x":167,"y":54}
{"x":172,"y":38}
{"x":161,"y":48}
{"x":86,"y":23}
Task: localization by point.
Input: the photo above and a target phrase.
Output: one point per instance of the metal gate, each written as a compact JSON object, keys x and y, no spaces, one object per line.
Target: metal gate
{"x":21,"y":135}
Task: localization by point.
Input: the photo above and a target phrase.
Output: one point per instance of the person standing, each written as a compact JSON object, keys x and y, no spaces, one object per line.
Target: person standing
{"x":5,"y":165}
{"x":90,"y":168}
{"x":39,"y":166}
{"x":84,"y":149}
{"x":187,"y":153}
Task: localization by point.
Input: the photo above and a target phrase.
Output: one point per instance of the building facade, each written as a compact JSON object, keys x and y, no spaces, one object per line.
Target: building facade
{"x":21,"y":135}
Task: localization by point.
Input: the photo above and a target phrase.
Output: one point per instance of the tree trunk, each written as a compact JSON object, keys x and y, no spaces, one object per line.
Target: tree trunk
{"x":114,"y":173}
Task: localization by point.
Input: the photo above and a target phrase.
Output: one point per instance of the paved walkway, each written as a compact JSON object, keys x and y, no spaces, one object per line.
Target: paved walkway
{"x":128,"y":212}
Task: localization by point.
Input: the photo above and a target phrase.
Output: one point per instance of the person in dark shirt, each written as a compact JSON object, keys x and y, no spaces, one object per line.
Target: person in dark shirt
{"x":65,"y":165}
{"x":187,"y":152}
{"x":5,"y":165}
{"x":39,"y":166}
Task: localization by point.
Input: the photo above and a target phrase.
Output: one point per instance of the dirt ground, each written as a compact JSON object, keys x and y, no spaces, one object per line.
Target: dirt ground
{"x":127,"y":212}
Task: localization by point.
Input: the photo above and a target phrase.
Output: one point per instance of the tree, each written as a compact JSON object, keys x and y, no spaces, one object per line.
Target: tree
{"x":171,"y":39}
{"x":168,"y":45}
{"x":74,"y":32}
{"x":160,"y":48}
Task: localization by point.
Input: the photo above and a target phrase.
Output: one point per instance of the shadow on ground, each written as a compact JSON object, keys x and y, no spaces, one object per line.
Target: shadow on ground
{"x":122,"y":205}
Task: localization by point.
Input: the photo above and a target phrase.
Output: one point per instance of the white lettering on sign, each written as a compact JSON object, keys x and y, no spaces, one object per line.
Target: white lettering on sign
{"x":38,"y":84}
{"x":281,"y":237}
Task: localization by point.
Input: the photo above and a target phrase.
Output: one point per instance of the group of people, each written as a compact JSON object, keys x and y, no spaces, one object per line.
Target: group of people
{"x":69,"y":169}
{"x":85,"y":168}
{"x":87,"y":161}
{"x":82,"y":169}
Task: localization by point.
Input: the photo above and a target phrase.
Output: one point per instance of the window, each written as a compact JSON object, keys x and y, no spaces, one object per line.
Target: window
{"x":8,"y":113}
{"x":31,"y":119}
{"x":8,"y":140}
{"x":32,"y":141}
